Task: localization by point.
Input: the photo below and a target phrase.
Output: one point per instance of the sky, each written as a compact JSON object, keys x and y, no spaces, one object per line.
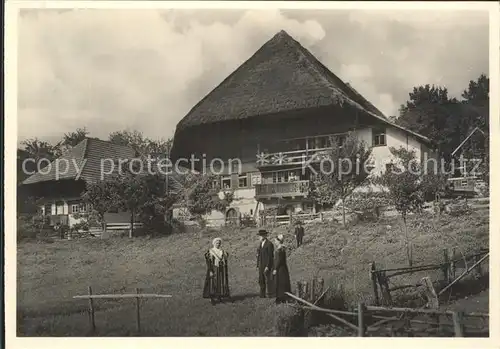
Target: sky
{"x":109,"y":70}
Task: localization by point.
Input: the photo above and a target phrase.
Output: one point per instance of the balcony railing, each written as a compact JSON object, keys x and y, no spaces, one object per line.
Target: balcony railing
{"x":270,"y":190}
{"x":294,"y":157}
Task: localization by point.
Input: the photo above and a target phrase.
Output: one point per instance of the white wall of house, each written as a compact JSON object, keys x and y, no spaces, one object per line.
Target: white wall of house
{"x":244,"y":203}
{"x":64,"y":208}
{"x":396,"y":138}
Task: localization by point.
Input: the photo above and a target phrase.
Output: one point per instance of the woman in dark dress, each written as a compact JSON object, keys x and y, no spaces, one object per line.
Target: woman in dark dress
{"x":280,"y":272}
{"x":216,"y":280}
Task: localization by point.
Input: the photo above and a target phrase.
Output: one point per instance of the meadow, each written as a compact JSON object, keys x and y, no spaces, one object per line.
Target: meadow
{"x":50,"y":273}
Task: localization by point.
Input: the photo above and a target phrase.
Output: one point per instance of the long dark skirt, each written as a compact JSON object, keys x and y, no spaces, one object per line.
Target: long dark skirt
{"x":282,"y":276}
{"x":217,"y":285}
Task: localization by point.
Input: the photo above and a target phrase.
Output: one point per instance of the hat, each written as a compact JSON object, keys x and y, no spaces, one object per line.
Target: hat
{"x":298,"y":222}
{"x":280,"y":238}
{"x":262,"y":232}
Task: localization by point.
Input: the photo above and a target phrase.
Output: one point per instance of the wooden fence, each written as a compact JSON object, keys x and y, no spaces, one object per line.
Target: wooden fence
{"x":137,"y":296}
{"x":372,"y":320}
{"x":290,"y":219}
{"x":113,"y":228}
{"x":380,"y":277}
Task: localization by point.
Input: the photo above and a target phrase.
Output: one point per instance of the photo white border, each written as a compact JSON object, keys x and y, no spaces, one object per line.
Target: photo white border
{"x":10,"y":136}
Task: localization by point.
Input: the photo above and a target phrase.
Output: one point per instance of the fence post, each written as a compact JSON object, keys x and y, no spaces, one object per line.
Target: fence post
{"x":453,"y":264}
{"x":299,"y":289}
{"x":430,"y":293}
{"x":479,"y":271}
{"x":374,"y":282}
{"x":361,"y":322}
{"x":457,"y":324}
{"x":384,"y":287}
{"x":138,"y":311}
{"x":321,"y":286}
{"x":91,"y":312}
{"x":446,"y":266}
{"x":311,"y":290}
{"x":321,"y":217}
{"x":290,"y":222}
{"x":305,"y":286}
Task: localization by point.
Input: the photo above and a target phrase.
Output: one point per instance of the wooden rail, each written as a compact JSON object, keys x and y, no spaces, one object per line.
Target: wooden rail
{"x":380,"y":277}
{"x":289,"y":219}
{"x":365,"y":313}
{"x":137,"y":296}
{"x":270,"y":190}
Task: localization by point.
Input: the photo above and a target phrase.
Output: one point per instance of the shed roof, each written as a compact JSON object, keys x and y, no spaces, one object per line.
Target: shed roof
{"x":86,"y":160}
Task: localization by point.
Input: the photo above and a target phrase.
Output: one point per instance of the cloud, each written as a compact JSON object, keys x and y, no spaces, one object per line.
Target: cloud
{"x":144,"y":69}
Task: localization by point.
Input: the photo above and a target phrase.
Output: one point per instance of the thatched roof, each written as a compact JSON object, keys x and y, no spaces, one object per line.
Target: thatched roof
{"x":281,"y":76}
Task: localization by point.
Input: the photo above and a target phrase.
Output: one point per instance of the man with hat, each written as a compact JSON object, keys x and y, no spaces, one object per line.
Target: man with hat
{"x":299,"y":232}
{"x":265,"y":259}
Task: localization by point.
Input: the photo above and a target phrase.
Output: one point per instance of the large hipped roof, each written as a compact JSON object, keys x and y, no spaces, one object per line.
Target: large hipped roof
{"x":281,"y":76}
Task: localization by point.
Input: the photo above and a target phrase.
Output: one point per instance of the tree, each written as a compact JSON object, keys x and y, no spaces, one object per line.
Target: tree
{"x":200,"y":194}
{"x":478,"y":92}
{"x":71,"y":139}
{"x":341,"y":171}
{"x":132,"y":193}
{"x":407,"y":185}
{"x":143,"y":145}
{"x":423,"y":95}
{"x":39,"y":150}
{"x":100,"y":196}
{"x":446,"y":121}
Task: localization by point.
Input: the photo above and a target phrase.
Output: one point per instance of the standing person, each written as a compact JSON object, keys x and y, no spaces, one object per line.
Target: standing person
{"x":265,"y":256}
{"x":216,"y":280}
{"x":299,"y":233}
{"x":280,"y":271}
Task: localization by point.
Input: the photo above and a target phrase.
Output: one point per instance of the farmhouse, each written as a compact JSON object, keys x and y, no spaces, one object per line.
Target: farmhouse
{"x":61,"y":184}
{"x":274,"y":113}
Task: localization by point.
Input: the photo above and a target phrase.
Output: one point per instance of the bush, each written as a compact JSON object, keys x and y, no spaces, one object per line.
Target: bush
{"x":289,"y":321}
{"x":458,"y":209}
{"x":248,"y":221}
{"x":368,"y":206}
{"x":29,"y":226}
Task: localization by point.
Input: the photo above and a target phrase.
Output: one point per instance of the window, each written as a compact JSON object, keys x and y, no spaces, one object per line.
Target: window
{"x":75,"y":208}
{"x":242,"y":181}
{"x":226,"y":182}
{"x":83,"y":207}
{"x":464,"y":183}
{"x":280,"y":177}
{"x":379,"y":137}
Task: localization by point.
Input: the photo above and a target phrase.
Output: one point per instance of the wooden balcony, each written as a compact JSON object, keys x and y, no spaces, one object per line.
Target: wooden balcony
{"x":284,"y":189}
{"x":294,"y":157}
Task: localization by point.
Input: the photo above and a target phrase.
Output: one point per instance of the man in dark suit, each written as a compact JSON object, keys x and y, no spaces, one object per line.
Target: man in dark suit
{"x":299,"y":233}
{"x":265,"y":259}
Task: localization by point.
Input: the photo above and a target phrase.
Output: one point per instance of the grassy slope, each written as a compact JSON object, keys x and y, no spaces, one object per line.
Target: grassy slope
{"x":49,"y":275}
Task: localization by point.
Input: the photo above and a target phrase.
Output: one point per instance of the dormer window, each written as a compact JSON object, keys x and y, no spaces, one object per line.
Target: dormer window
{"x":379,"y":137}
